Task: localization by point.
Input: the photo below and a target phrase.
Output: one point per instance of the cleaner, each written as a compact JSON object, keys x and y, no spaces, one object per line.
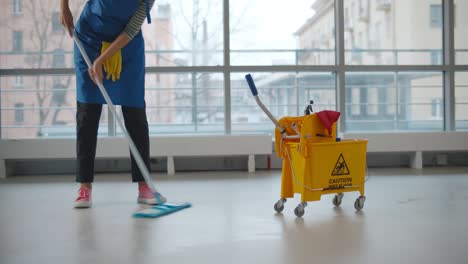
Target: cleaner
{"x":109,"y":32}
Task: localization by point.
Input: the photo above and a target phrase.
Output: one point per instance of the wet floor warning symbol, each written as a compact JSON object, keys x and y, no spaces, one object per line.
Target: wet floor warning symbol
{"x":341,"y":168}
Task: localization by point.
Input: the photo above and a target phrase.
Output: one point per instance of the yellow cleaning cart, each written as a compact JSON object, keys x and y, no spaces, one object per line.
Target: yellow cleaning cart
{"x":316,"y":162}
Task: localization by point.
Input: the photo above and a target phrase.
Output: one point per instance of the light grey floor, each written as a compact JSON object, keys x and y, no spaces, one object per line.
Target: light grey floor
{"x":409,"y":217}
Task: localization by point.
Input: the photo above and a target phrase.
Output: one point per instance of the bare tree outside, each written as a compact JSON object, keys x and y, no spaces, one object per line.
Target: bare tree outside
{"x":45,"y":23}
{"x":46,"y":45}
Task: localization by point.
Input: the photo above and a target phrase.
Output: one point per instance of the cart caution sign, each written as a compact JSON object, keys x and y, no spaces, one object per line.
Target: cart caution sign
{"x":341,"y":168}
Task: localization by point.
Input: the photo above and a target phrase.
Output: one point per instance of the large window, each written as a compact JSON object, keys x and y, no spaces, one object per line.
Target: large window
{"x":185,"y":33}
{"x":388,"y":101}
{"x":283,"y":93}
{"x":386,"y":73}
{"x":267,"y":33}
{"x":398,"y":32}
{"x":185,"y":103}
{"x":48,"y":107}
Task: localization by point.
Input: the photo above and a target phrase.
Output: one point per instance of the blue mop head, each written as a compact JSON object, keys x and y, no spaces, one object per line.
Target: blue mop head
{"x":161,"y":210}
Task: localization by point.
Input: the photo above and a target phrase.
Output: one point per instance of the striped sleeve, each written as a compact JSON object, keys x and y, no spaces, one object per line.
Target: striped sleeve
{"x":134,"y":25}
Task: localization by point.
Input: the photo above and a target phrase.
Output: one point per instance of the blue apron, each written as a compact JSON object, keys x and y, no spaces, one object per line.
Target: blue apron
{"x":104,"y":20}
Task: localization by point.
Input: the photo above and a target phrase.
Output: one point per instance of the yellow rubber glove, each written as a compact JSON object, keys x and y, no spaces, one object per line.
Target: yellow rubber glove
{"x":113,"y":64}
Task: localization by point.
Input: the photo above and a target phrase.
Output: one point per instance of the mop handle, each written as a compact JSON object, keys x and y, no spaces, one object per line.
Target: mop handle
{"x":133,"y":149}
{"x":254,"y":91}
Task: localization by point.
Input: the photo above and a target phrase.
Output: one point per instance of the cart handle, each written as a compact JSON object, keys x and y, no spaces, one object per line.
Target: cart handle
{"x":251,"y":83}
{"x":254,"y":91}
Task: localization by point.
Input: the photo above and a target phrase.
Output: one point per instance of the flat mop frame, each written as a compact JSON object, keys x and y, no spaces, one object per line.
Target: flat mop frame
{"x":136,"y":155}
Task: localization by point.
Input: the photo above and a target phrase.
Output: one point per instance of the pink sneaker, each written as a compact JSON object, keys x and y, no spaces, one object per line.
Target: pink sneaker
{"x":146,"y":196}
{"x":84,"y":198}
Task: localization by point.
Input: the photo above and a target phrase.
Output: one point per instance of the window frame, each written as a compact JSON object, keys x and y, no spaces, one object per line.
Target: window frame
{"x":340,"y":68}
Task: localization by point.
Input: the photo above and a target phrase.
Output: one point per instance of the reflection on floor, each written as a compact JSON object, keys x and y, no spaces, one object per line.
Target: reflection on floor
{"x":409,"y":217}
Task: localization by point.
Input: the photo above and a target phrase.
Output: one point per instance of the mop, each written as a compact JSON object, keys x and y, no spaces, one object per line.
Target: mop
{"x":155,"y":211}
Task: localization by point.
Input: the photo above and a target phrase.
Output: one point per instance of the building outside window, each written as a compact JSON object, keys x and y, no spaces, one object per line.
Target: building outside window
{"x":17,"y":41}
{"x":17,"y":7}
{"x":59,"y":93}
{"x":436,"y":16}
{"x":436,"y":58}
{"x":355,"y":101}
{"x":58,"y":59}
{"x":372,"y":101}
{"x":18,"y":81}
{"x":436,"y":108}
{"x":56,"y":25}
{"x":19,"y":113}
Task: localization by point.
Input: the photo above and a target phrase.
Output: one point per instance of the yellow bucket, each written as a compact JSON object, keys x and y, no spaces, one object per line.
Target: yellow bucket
{"x":311,"y":131}
{"x":324,"y":168}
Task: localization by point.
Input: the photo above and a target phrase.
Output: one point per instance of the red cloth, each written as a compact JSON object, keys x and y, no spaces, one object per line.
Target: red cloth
{"x":328,"y":118}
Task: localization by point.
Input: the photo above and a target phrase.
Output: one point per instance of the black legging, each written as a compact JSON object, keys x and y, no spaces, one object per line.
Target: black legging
{"x":87,"y":123}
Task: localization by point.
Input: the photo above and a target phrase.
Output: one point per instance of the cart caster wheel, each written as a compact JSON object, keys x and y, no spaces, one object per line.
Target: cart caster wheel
{"x":299,"y":210}
{"x":279,"y":206}
{"x":359,"y":204}
{"x":338,"y":199}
